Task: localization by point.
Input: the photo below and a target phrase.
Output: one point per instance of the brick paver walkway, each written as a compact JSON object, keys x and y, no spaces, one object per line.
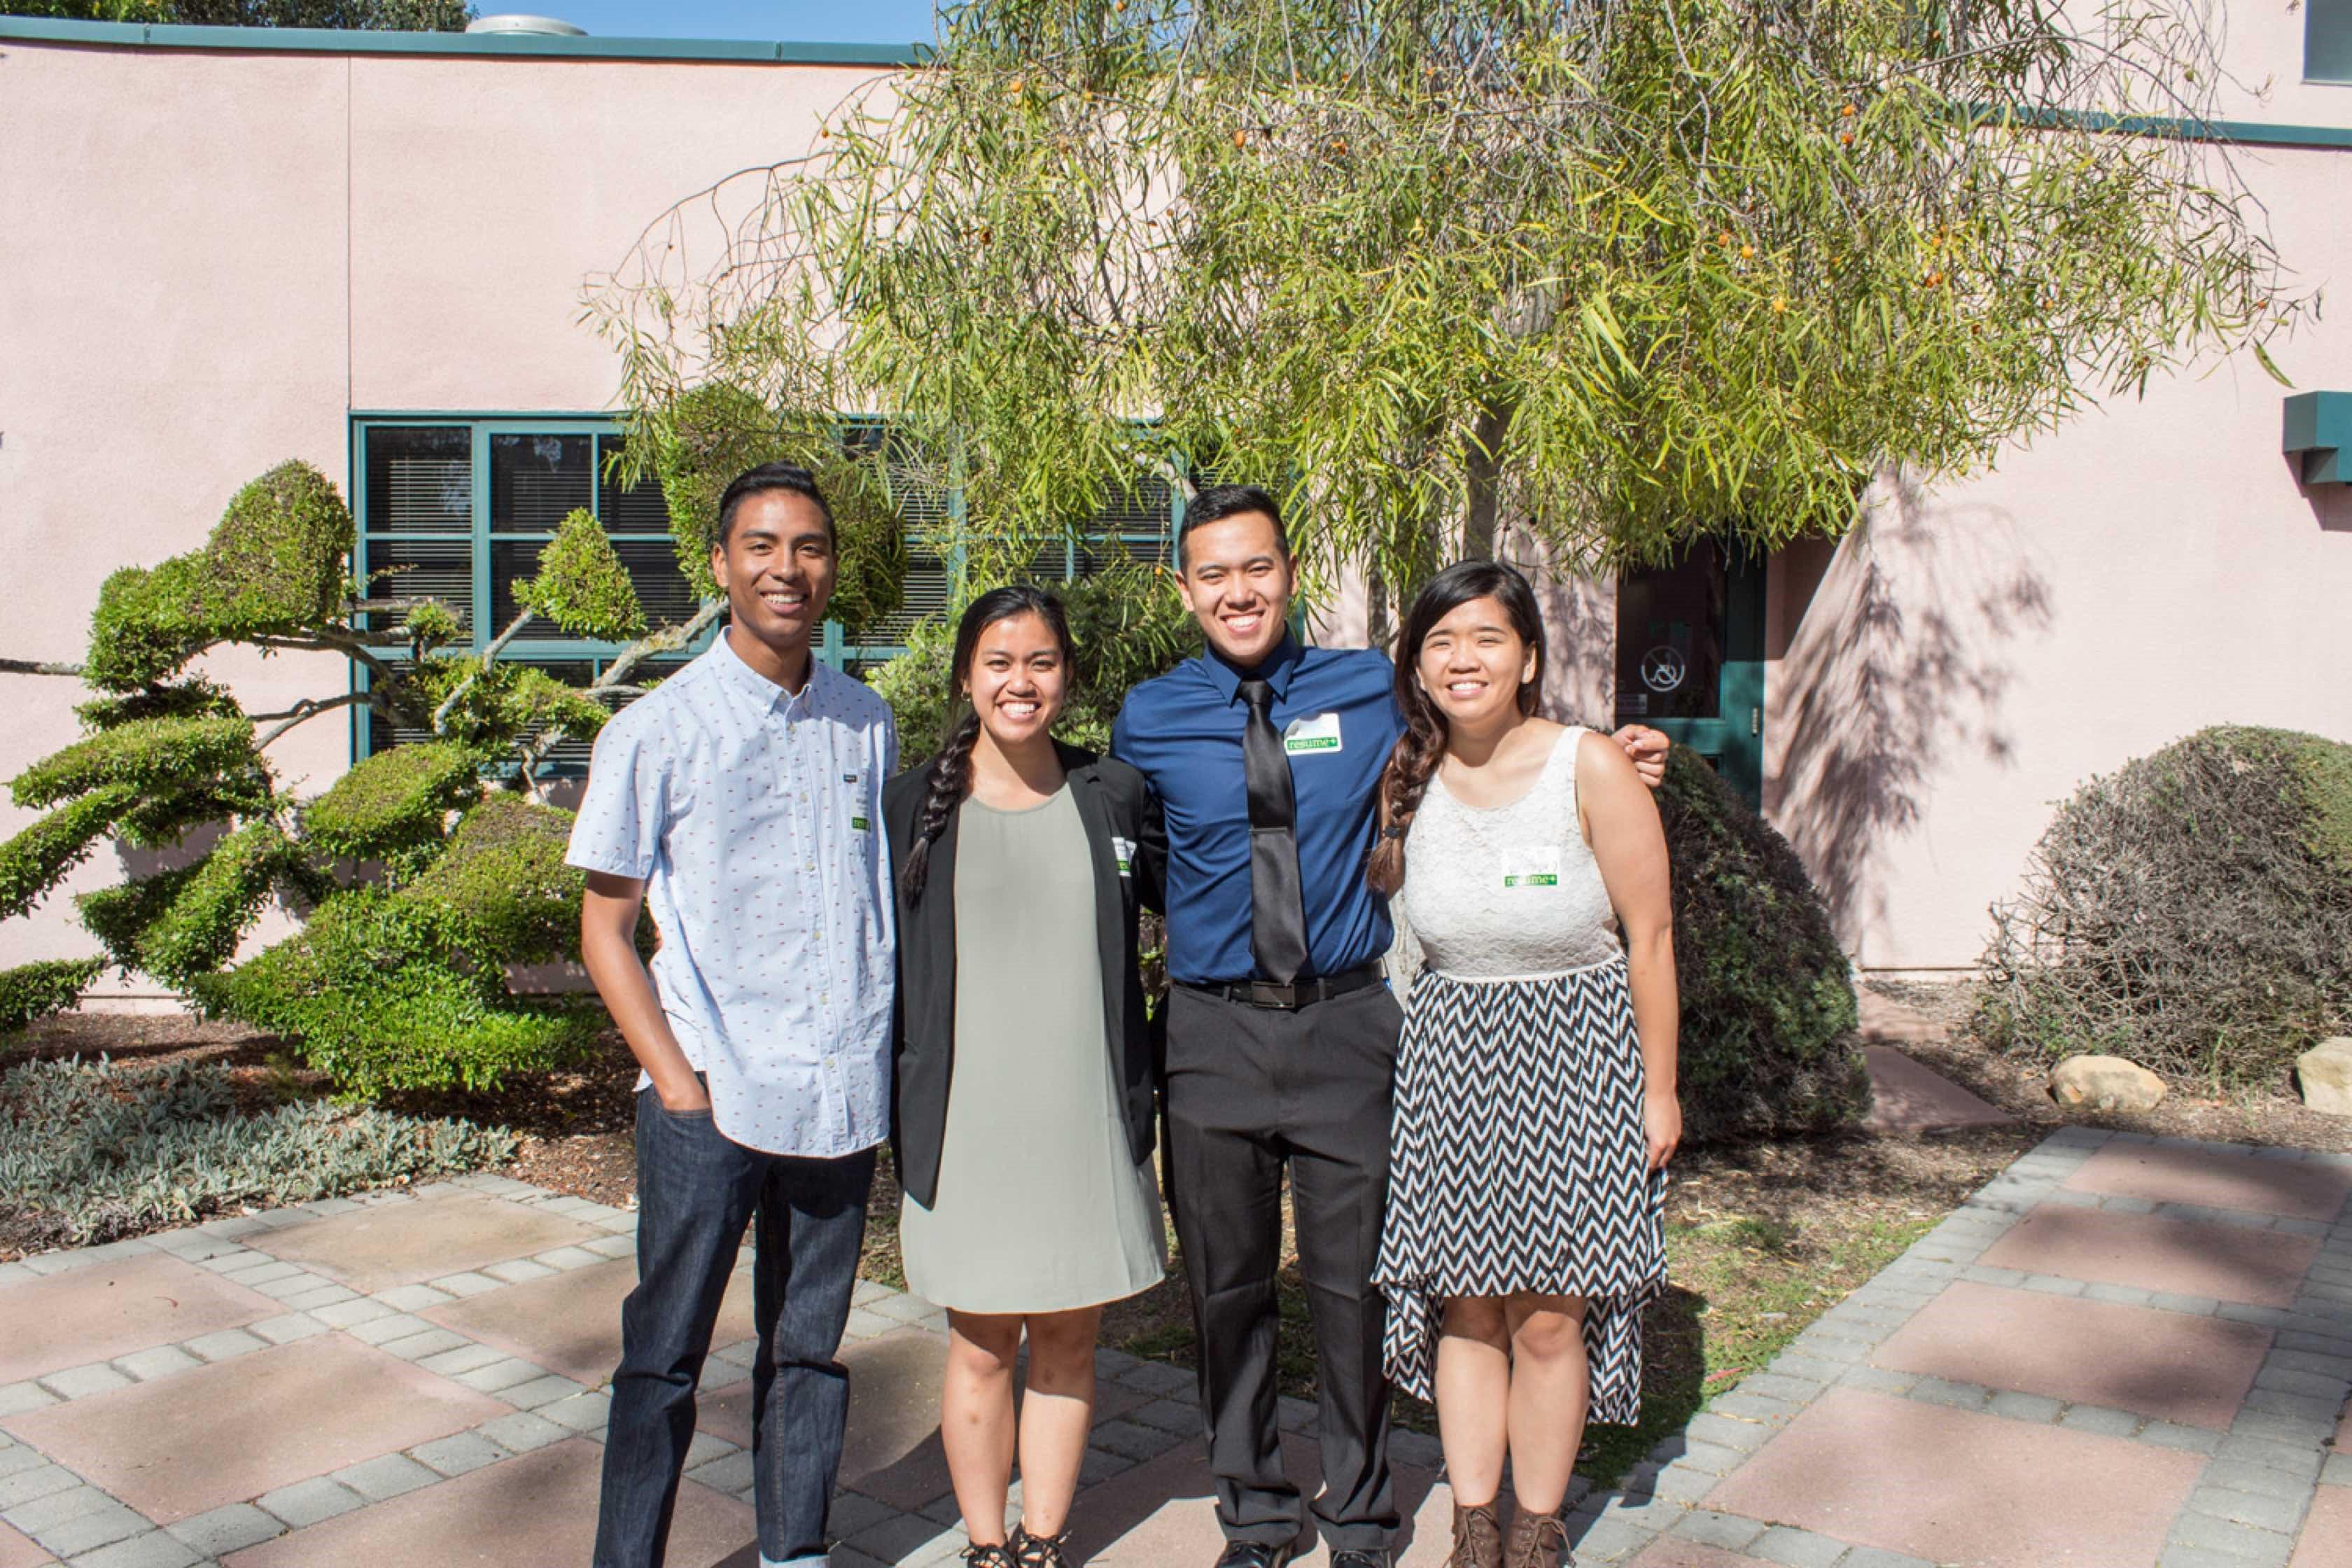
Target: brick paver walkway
{"x":2123,"y":1351}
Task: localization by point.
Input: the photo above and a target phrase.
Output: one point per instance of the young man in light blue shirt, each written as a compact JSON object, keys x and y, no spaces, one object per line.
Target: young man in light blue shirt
{"x":739,"y":801}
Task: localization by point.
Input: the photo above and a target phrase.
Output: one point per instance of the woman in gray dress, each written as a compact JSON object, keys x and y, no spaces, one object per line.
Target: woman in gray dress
{"x":1024,"y":1089}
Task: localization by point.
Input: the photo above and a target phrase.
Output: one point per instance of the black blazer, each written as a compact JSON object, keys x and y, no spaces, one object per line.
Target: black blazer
{"x":1114,"y":803}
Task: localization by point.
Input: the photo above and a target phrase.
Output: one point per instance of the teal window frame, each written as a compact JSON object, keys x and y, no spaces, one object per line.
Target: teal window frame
{"x":2327,"y":41}
{"x":483,"y":539}
{"x":833,"y":647}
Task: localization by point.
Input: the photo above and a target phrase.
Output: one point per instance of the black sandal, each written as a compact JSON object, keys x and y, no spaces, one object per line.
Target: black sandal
{"x":1039,"y":1550}
{"x":993,"y":1555}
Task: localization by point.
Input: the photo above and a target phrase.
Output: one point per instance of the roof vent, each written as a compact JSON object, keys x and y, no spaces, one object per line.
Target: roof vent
{"x":545,"y":26}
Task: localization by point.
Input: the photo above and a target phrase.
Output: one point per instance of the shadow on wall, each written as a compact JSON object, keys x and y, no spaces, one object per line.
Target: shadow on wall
{"x":1580,"y":617}
{"x":1899,"y":662}
{"x":2331,"y":505}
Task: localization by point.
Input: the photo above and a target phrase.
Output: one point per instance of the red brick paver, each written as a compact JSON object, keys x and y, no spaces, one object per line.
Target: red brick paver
{"x":1908,"y":1097}
{"x":570,"y":1322}
{"x":1954,"y":1486}
{"x":2226,"y":1262}
{"x":538,"y":1510}
{"x":232,"y":1431}
{"x":106,"y":1310}
{"x":2195,"y":1371}
{"x":386,"y":1245}
{"x":2298,"y":1189}
{"x":2326,"y":1539}
{"x":16,"y":1552}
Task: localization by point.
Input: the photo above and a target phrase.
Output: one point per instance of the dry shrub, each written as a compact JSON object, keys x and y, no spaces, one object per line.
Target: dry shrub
{"x":2193,"y":912}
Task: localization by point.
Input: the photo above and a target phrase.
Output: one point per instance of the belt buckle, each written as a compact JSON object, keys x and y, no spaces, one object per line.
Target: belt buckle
{"x":1271,"y":993}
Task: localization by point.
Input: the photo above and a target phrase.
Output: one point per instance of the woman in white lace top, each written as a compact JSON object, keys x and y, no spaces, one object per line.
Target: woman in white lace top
{"x":1535,"y":1097}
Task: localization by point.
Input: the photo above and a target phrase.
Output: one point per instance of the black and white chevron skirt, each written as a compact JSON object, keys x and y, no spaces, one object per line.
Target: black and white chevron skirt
{"x":1517,"y":1163}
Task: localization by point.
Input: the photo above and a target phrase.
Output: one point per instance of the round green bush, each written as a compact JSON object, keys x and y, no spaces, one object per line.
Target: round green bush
{"x":1769,"y":1043}
{"x":2192,"y":912}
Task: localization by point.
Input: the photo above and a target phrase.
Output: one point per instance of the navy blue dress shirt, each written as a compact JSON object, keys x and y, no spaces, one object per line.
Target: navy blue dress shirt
{"x":1183,"y":731}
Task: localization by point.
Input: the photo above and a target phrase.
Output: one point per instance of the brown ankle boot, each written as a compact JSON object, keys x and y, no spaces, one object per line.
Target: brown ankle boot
{"x":1538,"y":1541}
{"x":1477,"y":1538}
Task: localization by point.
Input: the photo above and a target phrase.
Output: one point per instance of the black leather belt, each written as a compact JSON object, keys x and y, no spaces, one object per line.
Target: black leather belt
{"x":1297,"y":994}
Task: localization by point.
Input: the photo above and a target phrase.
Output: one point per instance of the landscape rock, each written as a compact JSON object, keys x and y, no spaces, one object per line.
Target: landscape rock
{"x":2104,"y":1083}
{"x":2325,"y":1073}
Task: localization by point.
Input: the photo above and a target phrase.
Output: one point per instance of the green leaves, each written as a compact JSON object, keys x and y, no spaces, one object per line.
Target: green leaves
{"x":581,"y":585}
{"x":380,"y":992}
{"x":395,"y":802}
{"x":151,"y":755}
{"x":1707,"y":265}
{"x":274,"y":566}
{"x":37,"y":858}
{"x":32,"y":991}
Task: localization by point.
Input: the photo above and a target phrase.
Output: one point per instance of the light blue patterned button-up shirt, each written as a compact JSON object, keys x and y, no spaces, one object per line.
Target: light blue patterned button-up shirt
{"x":753,"y":816}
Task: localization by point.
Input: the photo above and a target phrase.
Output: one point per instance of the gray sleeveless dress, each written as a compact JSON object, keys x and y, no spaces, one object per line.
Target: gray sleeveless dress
{"x":1040,"y":1206}
{"x":1516,"y":1161}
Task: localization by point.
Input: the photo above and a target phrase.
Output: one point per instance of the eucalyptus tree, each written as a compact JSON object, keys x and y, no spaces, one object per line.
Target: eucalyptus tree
{"x":1612,"y":274}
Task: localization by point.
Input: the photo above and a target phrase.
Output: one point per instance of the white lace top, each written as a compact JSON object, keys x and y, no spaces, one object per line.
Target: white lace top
{"x":1510,"y":893}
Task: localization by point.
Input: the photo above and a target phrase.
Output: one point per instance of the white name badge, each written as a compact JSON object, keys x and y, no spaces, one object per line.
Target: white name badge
{"x":1124,"y":849}
{"x":1533,"y":865}
{"x":1310,"y":736}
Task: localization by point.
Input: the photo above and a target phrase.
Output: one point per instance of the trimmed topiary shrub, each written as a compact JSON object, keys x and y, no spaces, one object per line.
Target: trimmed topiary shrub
{"x":92,"y":1150}
{"x":149,"y":754}
{"x":504,"y":877}
{"x":2192,"y":912}
{"x":38,"y":857}
{"x":581,"y":585}
{"x":272,"y":567}
{"x":32,"y":991}
{"x":1770,"y":1040}
{"x":386,"y":991}
{"x":395,"y":802}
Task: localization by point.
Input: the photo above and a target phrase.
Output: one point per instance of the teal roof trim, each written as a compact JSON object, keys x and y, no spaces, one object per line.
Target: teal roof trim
{"x":334,"y":41}
{"x":2318,"y":429}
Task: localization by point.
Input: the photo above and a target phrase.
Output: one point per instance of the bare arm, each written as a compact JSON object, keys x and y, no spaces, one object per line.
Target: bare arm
{"x":608,"y":927}
{"x":1647,"y":748}
{"x":1620,"y":822}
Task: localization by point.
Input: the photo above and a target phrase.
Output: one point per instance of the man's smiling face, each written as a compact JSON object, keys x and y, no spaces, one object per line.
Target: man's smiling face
{"x":1237,"y":579}
{"x":777,"y":566}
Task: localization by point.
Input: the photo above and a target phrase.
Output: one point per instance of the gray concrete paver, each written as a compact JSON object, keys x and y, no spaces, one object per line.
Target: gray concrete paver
{"x":226,"y":1530}
{"x":156,"y":1549}
{"x":308,"y":1502}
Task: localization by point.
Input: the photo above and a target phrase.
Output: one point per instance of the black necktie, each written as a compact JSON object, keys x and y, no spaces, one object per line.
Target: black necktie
{"x":1277,"y":914}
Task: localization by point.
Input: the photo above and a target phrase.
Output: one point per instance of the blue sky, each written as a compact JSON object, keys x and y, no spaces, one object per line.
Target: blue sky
{"x":802,"y":21}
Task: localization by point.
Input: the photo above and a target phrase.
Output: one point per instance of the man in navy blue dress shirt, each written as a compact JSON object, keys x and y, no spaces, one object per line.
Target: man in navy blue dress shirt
{"x":1268,"y":1070}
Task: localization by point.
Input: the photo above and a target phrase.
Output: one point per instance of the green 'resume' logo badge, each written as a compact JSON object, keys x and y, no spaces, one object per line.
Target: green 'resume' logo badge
{"x":859,"y":822}
{"x":1312,"y":737}
{"x":1531,"y":866}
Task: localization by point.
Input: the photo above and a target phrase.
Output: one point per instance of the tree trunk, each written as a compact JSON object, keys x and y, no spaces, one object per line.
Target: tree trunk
{"x":1483,"y":461}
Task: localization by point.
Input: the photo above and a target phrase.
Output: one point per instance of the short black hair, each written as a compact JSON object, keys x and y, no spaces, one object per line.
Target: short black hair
{"x":1218,"y":502}
{"x":767,"y":477}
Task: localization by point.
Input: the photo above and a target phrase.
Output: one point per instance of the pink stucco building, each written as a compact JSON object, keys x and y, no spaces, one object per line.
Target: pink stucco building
{"x":228,"y":247}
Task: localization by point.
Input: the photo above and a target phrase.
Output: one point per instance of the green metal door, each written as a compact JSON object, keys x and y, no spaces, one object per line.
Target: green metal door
{"x":1690,"y":658}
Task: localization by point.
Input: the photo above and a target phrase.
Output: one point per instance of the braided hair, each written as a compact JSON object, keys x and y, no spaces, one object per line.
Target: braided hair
{"x":1414,"y":762}
{"x":952,"y":769}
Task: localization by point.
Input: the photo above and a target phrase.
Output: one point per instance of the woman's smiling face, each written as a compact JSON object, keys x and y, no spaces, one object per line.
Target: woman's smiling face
{"x":1018,"y":679}
{"x":1473,"y":663}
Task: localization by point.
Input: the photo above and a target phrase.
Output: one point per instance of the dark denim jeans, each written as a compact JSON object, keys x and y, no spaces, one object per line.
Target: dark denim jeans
{"x":696,"y":1191}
